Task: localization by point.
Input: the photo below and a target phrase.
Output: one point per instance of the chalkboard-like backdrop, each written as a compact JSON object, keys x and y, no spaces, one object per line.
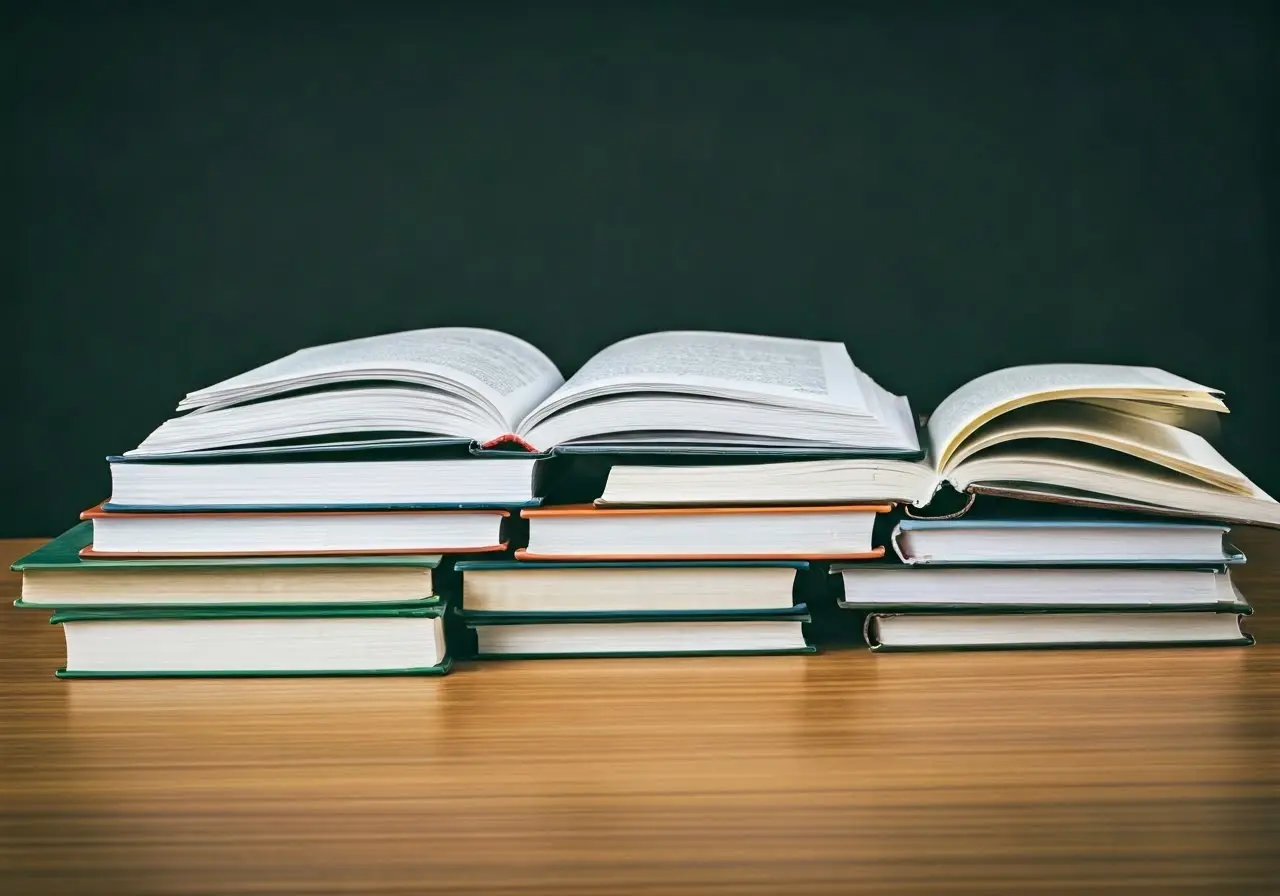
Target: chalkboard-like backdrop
{"x":193,"y":190}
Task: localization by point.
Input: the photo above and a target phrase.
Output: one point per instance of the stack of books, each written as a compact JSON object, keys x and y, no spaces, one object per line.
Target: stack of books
{"x":1019,"y":583}
{"x":165,"y":614}
{"x":1119,"y":448}
{"x":288,"y":519}
{"x":692,"y":577}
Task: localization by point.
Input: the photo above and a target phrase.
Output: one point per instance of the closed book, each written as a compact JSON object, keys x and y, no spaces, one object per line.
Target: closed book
{"x":1080,"y":541}
{"x":882,"y":587}
{"x":888,"y":632}
{"x":533,"y":636}
{"x":584,"y":532}
{"x":267,"y":641}
{"x":57,"y":575}
{"x":507,"y":586}
{"x":309,"y":533}
{"x":378,"y":474}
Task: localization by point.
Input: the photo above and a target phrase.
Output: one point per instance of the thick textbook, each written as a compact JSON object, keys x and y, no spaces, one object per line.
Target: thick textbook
{"x":1022,"y":631}
{"x":373,"y":474}
{"x":548,"y":587}
{"x":1094,"y":435}
{"x":267,"y":641}
{"x":585,"y":532}
{"x":56,"y":575}
{"x":674,"y":389}
{"x":936,"y":588}
{"x":305,"y":533}
{"x":1081,"y":541}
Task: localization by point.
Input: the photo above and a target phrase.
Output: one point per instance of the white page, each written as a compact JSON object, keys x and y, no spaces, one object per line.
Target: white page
{"x":796,"y":370}
{"x":1002,"y":389}
{"x":507,"y":371}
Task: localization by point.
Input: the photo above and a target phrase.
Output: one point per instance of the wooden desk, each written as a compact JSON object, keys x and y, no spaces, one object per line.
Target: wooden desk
{"x":1152,"y":771}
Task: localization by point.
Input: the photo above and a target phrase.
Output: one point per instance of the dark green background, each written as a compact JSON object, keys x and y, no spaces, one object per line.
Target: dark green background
{"x":948,"y":188}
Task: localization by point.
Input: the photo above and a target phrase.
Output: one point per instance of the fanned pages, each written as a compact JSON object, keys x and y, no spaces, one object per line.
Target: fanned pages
{"x":1096,"y":435}
{"x":489,"y":387}
{"x":993,"y":394}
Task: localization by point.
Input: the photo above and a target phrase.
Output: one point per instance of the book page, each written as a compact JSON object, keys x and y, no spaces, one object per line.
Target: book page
{"x":509,"y":372}
{"x":981,"y":399}
{"x":801,"y":370}
{"x":1071,"y":421}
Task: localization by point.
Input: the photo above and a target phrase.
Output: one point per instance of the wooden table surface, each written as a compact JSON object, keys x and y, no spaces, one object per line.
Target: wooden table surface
{"x":1154,"y":770}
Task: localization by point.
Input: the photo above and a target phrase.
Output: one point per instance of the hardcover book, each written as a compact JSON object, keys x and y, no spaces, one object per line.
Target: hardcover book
{"x":515,"y":636}
{"x":547,"y":587}
{"x":1041,"y":630}
{"x":585,"y":532}
{"x":307,"y":533}
{"x":268,"y":641}
{"x":1021,"y":588}
{"x":1061,"y":542}
{"x":57,"y":575}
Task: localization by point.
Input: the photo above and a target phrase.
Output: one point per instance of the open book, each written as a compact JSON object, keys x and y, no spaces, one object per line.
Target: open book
{"x":673,"y":388}
{"x":1088,"y":434}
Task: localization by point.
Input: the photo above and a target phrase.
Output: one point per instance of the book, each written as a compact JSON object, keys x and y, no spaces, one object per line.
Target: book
{"x":377,"y":474}
{"x":491,"y":388}
{"x":514,"y":637}
{"x":583,"y":532}
{"x":56,"y":575}
{"x":880,"y":587}
{"x":268,"y":641}
{"x":506,"y":586}
{"x":1081,"y":541}
{"x":887,"y":632}
{"x":308,"y":533}
{"x":1094,"y":435}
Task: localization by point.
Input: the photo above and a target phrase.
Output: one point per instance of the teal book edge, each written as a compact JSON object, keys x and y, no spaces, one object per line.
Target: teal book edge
{"x":63,"y":552}
{"x":794,"y":651}
{"x":796,"y":613}
{"x":275,"y":611}
{"x":483,"y":565}
{"x":442,"y":668}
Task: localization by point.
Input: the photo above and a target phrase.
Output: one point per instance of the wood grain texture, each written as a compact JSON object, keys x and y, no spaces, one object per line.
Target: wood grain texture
{"x":1137,"y":771}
